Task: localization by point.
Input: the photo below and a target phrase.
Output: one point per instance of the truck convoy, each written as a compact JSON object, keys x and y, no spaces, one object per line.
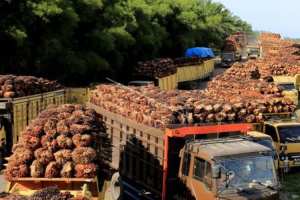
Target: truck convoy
{"x":187,"y":162}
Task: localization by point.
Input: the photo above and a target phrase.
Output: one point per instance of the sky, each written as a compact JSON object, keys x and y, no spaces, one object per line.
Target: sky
{"x":268,"y":15}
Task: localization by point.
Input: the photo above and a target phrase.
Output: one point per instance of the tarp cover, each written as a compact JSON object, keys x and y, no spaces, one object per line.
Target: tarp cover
{"x":203,"y":52}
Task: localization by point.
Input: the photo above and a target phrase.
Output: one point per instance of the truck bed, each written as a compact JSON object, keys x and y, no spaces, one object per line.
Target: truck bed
{"x":27,"y":186}
{"x":187,"y":74}
{"x":22,"y":110}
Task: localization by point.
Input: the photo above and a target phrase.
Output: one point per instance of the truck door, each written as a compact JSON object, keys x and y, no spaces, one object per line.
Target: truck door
{"x":271,"y":131}
{"x":200,"y":182}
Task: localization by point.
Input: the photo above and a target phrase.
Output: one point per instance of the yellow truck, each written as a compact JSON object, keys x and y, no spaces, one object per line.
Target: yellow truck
{"x":190,"y":76}
{"x":89,"y":188}
{"x":252,"y":52}
{"x":289,"y":83}
{"x":17,"y":113}
{"x":285,"y":133}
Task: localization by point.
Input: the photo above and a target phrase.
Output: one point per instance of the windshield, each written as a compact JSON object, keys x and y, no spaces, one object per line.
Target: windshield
{"x":246,"y":172}
{"x":288,"y":86}
{"x":267,"y":142}
{"x":290,"y":133}
{"x":254,"y":51}
{"x":227,"y":55}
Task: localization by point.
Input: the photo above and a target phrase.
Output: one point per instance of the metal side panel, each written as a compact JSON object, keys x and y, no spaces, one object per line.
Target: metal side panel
{"x":168,"y":82}
{"x":26,"y":109}
{"x":77,"y":95}
{"x":138,"y":150}
{"x":20,"y":119}
{"x":190,"y":73}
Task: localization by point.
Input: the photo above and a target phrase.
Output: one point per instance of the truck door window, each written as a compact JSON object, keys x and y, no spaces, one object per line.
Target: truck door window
{"x":271,"y":131}
{"x":186,"y":164}
{"x":202,"y":172}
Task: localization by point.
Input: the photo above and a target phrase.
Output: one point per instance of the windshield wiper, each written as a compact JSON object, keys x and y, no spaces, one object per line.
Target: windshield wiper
{"x":240,"y":189}
{"x":266,"y":185}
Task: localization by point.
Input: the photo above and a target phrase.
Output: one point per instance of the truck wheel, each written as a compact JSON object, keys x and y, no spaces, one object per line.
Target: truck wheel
{"x":193,"y":85}
{"x":116,"y":187}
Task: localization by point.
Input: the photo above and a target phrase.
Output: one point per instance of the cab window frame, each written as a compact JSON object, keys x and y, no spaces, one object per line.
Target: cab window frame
{"x":204,"y":178}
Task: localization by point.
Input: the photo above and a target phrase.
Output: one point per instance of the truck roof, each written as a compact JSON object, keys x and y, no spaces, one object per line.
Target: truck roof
{"x":257,"y":134}
{"x":225,"y":146}
{"x":283,"y":79}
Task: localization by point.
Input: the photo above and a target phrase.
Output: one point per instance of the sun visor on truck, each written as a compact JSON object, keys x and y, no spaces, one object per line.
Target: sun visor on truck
{"x":203,"y":52}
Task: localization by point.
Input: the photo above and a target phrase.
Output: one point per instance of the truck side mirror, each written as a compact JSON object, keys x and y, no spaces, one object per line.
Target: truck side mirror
{"x":216,"y":172}
{"x":282,"y":138}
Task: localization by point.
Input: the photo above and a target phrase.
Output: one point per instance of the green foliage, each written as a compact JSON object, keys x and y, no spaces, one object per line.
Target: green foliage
{"x":83,"y":41}
{"x":293,"y":39}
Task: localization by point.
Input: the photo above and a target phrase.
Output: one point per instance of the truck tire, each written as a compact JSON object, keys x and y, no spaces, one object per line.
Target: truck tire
{"x":193,"y":85}
{"x":116,"y":187}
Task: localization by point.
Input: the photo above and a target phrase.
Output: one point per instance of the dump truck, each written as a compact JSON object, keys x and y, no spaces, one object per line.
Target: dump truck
{"x":187,"y":162}
{"x":252,"y":52}
{"x":228,"y":58}
{"x":17,"y":113}
{"x":190,"y":76}
{"x":285,"y":133}
{"x":89,"y":188}
{"x":288,"y":83}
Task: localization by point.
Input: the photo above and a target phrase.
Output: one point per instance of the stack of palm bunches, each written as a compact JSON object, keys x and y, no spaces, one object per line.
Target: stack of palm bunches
{"x":63,"y":141}
{"x":155,"y":107}
{"x":18,"y":86}
{"x":243,"y":70}
{"x":269,"y":36}
{"x":48,"y":193}
{"x":285,"y":63}
{"x":230,"y":44}
{"x":188,"y":61}
{"x":162,"y":67}
{"x":159,"y":67}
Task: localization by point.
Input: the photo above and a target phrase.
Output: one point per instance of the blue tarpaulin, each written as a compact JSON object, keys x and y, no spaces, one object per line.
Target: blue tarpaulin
{"x":203,"y":52}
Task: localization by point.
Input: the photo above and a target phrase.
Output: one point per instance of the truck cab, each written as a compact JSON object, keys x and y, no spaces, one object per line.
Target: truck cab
{"x":265,"y":140}
{"x":227,"y":168}
{"x":227,"y":59}
{"x":286,"y":137}
{"x":253,"y":53}
{"x":289,"y":87}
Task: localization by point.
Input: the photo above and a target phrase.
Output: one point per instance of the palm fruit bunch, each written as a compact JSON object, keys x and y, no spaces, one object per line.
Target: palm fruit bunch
{"x":63,"y":141}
